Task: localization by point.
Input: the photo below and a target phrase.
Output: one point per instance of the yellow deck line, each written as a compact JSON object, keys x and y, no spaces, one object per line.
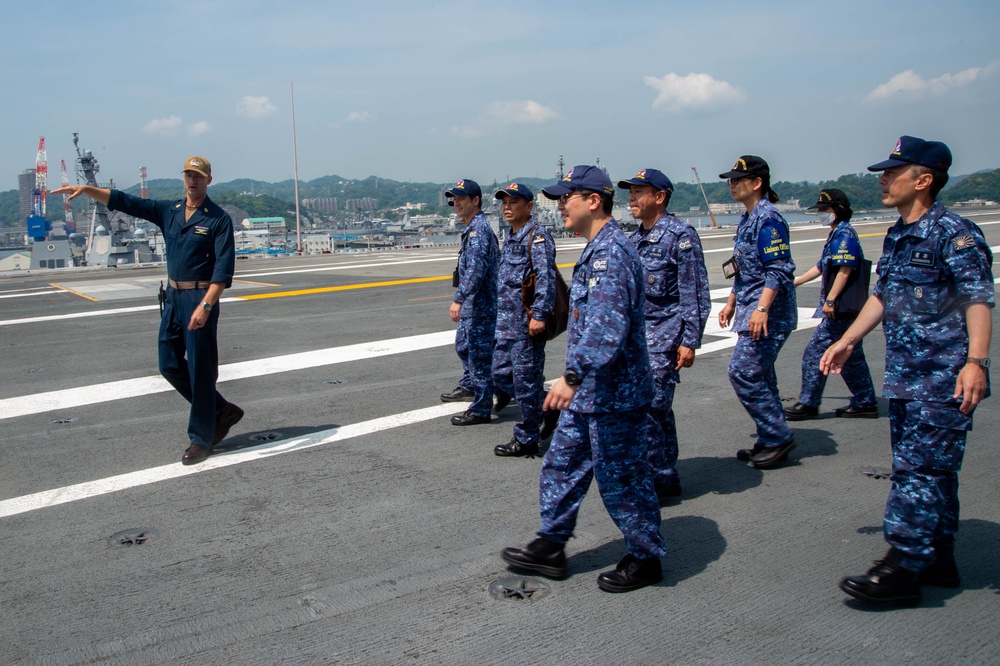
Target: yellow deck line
{"x":75,"y":293}
{"x":346,"y":287}
{"x":264,"y":284}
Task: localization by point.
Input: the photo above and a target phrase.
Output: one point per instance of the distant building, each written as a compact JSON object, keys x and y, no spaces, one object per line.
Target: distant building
{"x":367,"y":204}
{"x":321,"y":204}
{"x":734,"y":208}
{"x":15,"y":260}
{"x":272,"y":224}
{"x":975,"y":202}
{"x":25,"y":185}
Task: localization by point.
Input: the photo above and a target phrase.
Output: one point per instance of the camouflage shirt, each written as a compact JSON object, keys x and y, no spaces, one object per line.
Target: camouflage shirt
{"x":477,"y":270}
{"x":606,"y":336}
{"x":677,"y":296}
{"x":532,"y":246}
{"x":928,"y":273}
{"x":764,"y":259}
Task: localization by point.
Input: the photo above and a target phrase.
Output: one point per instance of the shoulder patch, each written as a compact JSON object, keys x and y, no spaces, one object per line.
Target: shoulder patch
{"x":684,"y":244}
{"x":963,"y":242}
{"x":599,"y":265}
{"x":539,"y":239}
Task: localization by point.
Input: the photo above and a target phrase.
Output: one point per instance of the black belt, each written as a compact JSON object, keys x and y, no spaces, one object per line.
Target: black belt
{"x":191,"y":284}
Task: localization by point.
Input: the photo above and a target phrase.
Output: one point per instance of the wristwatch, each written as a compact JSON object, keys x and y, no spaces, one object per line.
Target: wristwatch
{"x":830,"y":303}
{"x":981,"y":362}
{"x":572,"y":379}
{"x":207,"y":307}
{"x":761,"y":308}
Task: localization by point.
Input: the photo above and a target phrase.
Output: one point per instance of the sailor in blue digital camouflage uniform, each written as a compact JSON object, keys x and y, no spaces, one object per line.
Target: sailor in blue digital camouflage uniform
{"x":474,"y":307}
{"x":201,"y":259}
{"x":519,"y":355}
{"x":761,"y":306}
{"x":933,"y":297}
{"x":842,"y":255}
{"x":677,"y":308}
{"x":603,"y":395}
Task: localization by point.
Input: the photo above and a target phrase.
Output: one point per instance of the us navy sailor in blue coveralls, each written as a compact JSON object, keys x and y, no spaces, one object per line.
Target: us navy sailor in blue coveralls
{"x":842,"y":255}
{"x":763,"y":302}
{"x":677,"y":308}
{"x":201,"y":259}
{"x":474,"y":307}
{"x":603,"y":395}
{"x":934,"y":297}
{"x":519,"y":355}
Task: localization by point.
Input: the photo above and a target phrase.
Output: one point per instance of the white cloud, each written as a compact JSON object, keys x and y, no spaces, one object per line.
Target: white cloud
{"x":506,"y":112}
{"x":199,"y":128}
{"x":359,"y":117}
{"x":912,"y":83}
{"x":163,"y":126}
{"x":526,"y":112}
{"x":694,"y":91}
{"x":255,"y":107}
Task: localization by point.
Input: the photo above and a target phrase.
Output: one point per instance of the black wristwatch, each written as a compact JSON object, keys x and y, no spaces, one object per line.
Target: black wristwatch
{"x":981,"y":362}
{"x":831,"y":303}
{"x":572,"y":379}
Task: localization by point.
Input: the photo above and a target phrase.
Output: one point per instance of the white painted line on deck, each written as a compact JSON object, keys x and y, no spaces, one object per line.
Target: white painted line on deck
{"x":81,"y":491}
{"x":88,"y":489}
{"x":130,"y":388}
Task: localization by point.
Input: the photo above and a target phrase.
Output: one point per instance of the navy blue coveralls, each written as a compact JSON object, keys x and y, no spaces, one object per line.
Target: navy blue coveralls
{"x":842,"y":248}
{"x":519,"y":359}
{"x":602,"y":434}
{"x":477,"y":293}
{"x":929,"y":272}
{"x":201,"y":249}
{"x":763,"y":259}
{"x":678,"y":304}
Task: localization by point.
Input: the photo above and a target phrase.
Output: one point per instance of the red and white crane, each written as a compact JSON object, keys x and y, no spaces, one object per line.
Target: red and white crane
{"x":41,"y":180}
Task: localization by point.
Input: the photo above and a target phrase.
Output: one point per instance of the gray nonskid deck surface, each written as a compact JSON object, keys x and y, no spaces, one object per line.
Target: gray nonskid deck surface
{"x":381,"y":548}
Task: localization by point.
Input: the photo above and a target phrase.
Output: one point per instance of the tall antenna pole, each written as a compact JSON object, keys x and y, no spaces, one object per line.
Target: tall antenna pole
{"x":295,"y":159}
{"x":705,"y":196}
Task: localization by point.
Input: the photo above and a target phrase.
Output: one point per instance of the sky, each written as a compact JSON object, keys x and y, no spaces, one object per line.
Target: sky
{"x":439,"y":91}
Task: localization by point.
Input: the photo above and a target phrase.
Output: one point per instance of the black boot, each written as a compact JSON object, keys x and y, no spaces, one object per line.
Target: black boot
{"x":541,"y":555}
{"x":886,"y":582}
{"x":631,"y":574}
{"x":942,"y":572}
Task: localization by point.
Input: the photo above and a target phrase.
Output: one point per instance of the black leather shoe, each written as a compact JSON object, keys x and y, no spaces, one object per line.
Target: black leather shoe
{"x":800,"y":412}
{"x":515,"y":448}
{"x":769,"y":456}
{"x":502,"y":400}
{"x":468,"y":418}
{"x":747,"y":454}
{"x":458,"y":395}
{"x":631,"y":574}
{"x":226,"y":419}
{"x":852,"y":412}
{"x":672,"y":488}
{"x":886,"y":582}
{"x":942,"y":572}
{"x":541,"y":555}
{"x":195,"y":454}
{"x":550,"y":419}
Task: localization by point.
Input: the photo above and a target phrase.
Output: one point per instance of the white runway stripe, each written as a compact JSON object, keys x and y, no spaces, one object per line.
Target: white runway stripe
{"x":130,"y":388}
{"x":81,"y":491}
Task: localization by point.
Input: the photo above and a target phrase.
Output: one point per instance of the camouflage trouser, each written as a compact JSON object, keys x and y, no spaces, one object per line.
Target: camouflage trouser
{"x":474,"y":346}
{"x":608,"y":447}
{"x":751,"y":372}
{"x":661,"y":426}
{"x":928,"y":443}
{"x":519,"y":371}
{"x":856,"y":374}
